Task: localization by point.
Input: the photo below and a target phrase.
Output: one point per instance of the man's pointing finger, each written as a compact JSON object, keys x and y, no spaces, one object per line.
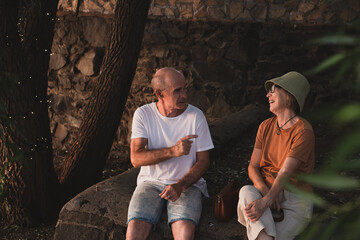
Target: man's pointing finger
{"x":188,"y":137}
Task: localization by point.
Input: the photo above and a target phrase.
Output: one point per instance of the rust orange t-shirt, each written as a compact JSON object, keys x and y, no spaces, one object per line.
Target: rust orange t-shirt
{"x":297,"y":142}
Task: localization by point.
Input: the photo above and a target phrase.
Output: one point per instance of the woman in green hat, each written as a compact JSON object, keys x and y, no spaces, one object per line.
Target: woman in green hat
{"x":284,"y":146}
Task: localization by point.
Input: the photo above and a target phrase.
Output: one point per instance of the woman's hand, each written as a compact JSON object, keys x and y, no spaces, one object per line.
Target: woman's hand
{"x":276,"y":205}
{"x":254,"y":210}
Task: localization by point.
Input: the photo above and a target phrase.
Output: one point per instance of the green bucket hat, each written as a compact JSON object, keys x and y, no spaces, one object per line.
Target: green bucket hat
{"x":294,"y":83}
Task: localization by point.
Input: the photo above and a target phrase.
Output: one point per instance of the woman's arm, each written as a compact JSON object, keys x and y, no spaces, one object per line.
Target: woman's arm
{"x":254,"y":210}
{"x":255,"y":174}
{"x":290,"y":166}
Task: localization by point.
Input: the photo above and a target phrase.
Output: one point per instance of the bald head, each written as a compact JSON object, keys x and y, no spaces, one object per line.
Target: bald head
{"x":165,"y":76}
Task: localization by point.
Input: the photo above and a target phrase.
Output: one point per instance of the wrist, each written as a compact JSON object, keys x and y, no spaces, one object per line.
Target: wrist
{"x":262,"y":189}
{"x":267,"y":200}
{"x":182,"y":184}
{"x":172,"y":152}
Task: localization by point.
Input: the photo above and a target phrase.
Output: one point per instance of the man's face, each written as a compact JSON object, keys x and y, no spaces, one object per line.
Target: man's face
{"x":174,"y":95}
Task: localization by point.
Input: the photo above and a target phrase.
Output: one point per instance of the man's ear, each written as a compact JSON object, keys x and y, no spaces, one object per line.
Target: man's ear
{"x":158,"y":93}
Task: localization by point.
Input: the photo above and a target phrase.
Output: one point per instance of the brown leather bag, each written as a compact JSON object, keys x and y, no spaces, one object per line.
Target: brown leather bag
{"x":225,"y":202}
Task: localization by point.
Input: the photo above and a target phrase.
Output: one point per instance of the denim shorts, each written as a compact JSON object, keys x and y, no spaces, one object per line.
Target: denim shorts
{"x":147,"y":205}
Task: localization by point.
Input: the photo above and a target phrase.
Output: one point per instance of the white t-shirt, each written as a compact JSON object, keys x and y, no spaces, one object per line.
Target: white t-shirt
{"x":164,"y":132}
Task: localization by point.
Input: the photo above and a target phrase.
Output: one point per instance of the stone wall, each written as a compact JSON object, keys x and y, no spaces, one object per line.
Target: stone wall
{"x":281,"y":11}
{"x":225,"y":63}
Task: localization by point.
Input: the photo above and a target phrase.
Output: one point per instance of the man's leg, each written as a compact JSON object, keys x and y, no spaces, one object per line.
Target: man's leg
{"x":144,"y":211}
{"x":184,"y":213}
{"x":138,"y":230}
{"x":183,"y":230}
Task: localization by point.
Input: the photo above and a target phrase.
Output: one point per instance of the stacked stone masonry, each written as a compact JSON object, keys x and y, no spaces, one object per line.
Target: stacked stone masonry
{"x":281,"y":11}
{"x":225,"y":57}
{"x":225,"y":63}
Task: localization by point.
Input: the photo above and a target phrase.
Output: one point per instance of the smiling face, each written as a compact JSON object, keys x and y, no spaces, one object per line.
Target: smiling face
{"x":277,"y":99}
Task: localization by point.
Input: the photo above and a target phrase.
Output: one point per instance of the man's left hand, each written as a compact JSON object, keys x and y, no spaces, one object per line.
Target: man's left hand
{"x":171,"y":192}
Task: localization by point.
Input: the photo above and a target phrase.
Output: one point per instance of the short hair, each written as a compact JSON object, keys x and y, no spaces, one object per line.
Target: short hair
{"x":158,"y":81}
{"x":292,"y":103}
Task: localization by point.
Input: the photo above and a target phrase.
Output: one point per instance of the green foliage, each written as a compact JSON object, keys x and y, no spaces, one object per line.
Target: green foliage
{"x":330,"y":180}
{"x":306,"y":195}
{"x":341,"y":173}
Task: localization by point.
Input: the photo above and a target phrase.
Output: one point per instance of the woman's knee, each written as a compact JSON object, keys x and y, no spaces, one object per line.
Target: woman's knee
{"x":246,"y":190}
{"x":248,"y":193}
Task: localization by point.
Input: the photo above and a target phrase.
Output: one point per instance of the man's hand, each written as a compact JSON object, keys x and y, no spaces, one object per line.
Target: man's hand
{"x":183,"y":146}
{"x":172,"y":192}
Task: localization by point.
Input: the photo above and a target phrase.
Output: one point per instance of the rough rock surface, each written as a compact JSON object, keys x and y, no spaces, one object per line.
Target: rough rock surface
{"x":100,"y":212}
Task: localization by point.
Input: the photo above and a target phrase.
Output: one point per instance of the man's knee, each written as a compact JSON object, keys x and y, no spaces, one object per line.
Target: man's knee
{"x":183,"y":229}
{"x":138,"y":229}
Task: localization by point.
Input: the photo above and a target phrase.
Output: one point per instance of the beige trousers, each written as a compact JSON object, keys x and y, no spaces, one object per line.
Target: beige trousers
{"x":297,"y":213}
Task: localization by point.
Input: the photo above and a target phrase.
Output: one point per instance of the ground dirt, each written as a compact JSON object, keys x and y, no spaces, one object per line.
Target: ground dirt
{"x":229,"y":163}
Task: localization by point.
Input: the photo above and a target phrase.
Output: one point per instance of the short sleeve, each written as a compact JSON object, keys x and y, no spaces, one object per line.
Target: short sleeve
{"x":259,"y":137}
{"x":138,"y":125}
{"x":302,"y":145}
{"x":204,"y":141}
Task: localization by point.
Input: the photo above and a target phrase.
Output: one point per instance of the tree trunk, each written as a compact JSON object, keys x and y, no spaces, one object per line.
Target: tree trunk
{"x":85,"y":162}
{"x":29,"y":184}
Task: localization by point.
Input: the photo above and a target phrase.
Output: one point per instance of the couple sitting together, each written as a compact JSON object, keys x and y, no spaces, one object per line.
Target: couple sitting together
{"x":171,"y":140}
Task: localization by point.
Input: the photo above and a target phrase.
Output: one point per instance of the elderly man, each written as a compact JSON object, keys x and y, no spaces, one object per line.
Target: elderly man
{"x":170,"y":142}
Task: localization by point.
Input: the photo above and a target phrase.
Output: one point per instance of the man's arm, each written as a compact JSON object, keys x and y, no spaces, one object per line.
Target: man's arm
{"x":172,"y":192}
{"x":141,"y":156}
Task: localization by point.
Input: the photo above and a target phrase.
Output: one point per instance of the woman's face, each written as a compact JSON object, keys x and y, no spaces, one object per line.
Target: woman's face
{"x":277,"y":99}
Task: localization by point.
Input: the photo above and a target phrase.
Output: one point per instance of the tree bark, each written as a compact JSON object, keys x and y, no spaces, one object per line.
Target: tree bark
{"x":85,"y":162}
{"x":30,"y":182}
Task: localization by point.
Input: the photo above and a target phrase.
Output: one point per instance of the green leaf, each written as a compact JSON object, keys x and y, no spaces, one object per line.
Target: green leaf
{"x":331,"y":61}
{"x":336,"y":39}
{"x":311,"y":230}
{"x":348,"y":114}
{"x":357,"y":72}
{"x":347,"y":146}
{"x":306,"y":195}
{"x":353,"y":164}
{"x":345,"y":67}
{"x":330,"y":180}
{"x":331,"y":228}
